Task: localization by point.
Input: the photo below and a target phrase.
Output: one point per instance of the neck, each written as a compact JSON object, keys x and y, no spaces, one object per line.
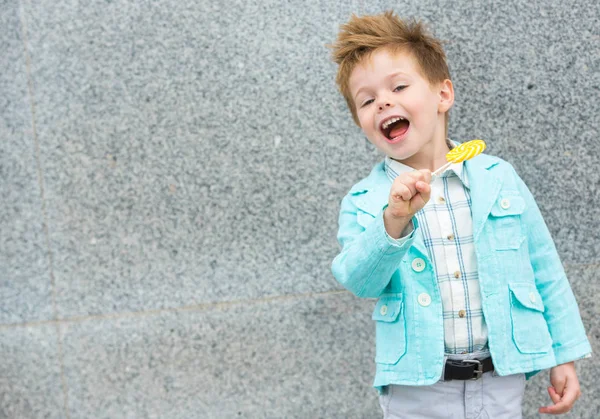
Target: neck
{"x":432,"y":157}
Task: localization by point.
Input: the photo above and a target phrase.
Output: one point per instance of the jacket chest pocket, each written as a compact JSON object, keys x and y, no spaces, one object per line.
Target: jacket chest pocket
{"x":364,"y":218}
{"x":530,"y":331}
{"x":390,"y":329}
{"x":506,"y":221}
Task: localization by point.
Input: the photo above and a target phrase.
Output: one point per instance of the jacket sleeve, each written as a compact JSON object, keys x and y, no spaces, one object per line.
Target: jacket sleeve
{"x":561,"y":311}
{"x":369,"y":256}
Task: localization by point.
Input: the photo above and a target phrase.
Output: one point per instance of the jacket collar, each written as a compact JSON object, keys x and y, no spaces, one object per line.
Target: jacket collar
{"x":485,"y":185}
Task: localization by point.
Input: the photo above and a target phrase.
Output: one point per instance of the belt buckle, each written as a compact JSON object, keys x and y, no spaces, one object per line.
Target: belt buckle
{"x":479,"y":371}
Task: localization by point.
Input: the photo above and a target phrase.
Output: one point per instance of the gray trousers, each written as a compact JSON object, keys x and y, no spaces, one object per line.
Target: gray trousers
{"x":490,"y":397}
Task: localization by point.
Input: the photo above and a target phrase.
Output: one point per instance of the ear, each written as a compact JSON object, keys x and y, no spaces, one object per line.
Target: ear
{"x":446,"y":93}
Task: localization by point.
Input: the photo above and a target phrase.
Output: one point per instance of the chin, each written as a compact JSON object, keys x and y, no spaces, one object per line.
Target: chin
{"x":399,"y":151}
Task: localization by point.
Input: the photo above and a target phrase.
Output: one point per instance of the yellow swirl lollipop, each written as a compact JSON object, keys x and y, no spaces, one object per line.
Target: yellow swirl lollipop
{"x":461,"y":153}
{"x":465,"y":151}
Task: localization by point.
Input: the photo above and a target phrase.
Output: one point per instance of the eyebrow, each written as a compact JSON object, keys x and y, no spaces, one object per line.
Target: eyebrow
{"x":390,"y":76}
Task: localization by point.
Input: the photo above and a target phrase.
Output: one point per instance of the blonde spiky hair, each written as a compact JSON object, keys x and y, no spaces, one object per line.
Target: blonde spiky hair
{"x":361,"y":36}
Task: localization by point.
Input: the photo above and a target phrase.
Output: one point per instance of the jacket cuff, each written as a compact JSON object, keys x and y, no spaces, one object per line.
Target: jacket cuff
{"x":407,"y":234}
{"x":564,"y":354}
{"x":377,"y":234}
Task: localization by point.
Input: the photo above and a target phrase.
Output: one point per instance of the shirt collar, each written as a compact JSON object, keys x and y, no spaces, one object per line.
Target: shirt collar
{"x":393,"y":167}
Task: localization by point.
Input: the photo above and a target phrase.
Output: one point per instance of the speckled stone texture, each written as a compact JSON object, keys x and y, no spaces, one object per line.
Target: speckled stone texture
{"x":185,"y":150}
{"x":30,"y":374}
{"x":192,"y":158}
{"x":25,"y":293}
{"x":283,"y":358}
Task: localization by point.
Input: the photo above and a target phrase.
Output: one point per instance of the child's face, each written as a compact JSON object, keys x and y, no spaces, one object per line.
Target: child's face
{"x":388,"y":87}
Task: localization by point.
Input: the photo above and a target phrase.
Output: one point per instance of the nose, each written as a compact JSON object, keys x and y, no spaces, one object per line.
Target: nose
{"x":384,"y":102}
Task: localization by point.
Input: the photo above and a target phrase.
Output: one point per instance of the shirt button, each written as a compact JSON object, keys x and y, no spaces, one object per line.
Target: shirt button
{"x":424,"y":299}
{"x":383,"y":310}
{"x":462,"y":313}
{"x":450,"y":236}
{"x":441,"y":199}
{"x":505,"y":203}
{"x":532,"y":297}
{"x":457,"y":274}
{"x":418,"y":264}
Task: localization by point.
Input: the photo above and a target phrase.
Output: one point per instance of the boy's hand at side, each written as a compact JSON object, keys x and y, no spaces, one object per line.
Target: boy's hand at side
{"x":564,"y":391}
{"x":409,"y":193}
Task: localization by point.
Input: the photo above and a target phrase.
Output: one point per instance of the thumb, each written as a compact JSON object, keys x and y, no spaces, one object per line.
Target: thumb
{"x":422,"y":196}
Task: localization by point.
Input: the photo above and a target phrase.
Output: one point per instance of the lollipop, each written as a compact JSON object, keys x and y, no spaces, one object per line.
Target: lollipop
{"x":461,"y":153}
{"x":465,"y":151}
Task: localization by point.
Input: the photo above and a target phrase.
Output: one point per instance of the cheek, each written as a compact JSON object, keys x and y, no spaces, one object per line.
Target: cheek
{"x":365,"y":121}
{"x":424,"y":109}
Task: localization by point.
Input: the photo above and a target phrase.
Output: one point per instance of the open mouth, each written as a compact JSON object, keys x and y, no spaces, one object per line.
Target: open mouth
{"x":394,"y":127}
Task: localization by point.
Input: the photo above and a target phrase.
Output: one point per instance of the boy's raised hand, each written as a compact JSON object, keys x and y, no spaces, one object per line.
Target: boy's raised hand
{"x":565,"y":389}
{"x":409,"y":193}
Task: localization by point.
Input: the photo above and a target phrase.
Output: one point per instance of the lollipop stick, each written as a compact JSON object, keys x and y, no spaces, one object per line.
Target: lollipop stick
{"x":440,"y":170}
{"x":461,"y":153}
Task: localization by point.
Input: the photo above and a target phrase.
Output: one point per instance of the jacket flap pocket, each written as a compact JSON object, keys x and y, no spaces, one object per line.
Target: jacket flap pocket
{"x":367,"y":204}
{"x":388,"y":308}
{"x":528,"y":296}
{"x":369,"y":199}
{"x":364,"y":218}
{"x":508,"y":204}
{"x":358,"y":190}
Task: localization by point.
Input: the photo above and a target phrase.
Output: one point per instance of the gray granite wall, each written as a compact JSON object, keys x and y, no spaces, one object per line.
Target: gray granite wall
{"x":170,"y":179}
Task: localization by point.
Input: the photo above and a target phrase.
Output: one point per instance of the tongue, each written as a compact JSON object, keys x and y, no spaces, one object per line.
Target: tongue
{"x":399,"y":129}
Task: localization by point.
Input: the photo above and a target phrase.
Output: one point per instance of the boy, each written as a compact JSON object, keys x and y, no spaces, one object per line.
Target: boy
{"x":473,"y":298}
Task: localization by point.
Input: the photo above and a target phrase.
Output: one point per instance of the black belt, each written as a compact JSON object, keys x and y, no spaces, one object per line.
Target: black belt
{"x":467,"y":369}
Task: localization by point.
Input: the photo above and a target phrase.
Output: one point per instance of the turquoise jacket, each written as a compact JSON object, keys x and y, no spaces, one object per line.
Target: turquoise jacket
{"x":531,"y":314}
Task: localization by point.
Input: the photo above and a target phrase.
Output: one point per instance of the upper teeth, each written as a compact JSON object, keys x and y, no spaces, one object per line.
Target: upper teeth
{"x":391,"y":121}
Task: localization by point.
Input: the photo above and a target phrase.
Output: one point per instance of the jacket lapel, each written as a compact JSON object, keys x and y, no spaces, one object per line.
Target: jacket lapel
{"x":485,"y":187}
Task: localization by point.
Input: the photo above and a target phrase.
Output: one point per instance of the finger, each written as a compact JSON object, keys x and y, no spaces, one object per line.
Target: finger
{"x":420,"y":199}
{"x":416,"y":174}
{"x":407,"y":181}
{"x":562,"y":405}
{"x":426,"y":175}
{"x":557,"y":409}
{"x":401,"y":193}
{"x":419,"y":175}
{"x":553,"y":395}
{"x":424,"y":190}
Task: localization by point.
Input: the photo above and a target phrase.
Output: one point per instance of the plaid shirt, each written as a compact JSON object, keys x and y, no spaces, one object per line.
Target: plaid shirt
{"x":447,"y":228}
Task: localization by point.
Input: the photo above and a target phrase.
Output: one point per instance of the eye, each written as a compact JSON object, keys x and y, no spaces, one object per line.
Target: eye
{"x":399,"y":88}
{"x":366,"y":102}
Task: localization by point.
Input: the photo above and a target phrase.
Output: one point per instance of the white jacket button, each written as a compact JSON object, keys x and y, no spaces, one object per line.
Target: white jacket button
{"x":505,"y":203}
{"x":418,"y":264}
{"x":424,"y":299}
